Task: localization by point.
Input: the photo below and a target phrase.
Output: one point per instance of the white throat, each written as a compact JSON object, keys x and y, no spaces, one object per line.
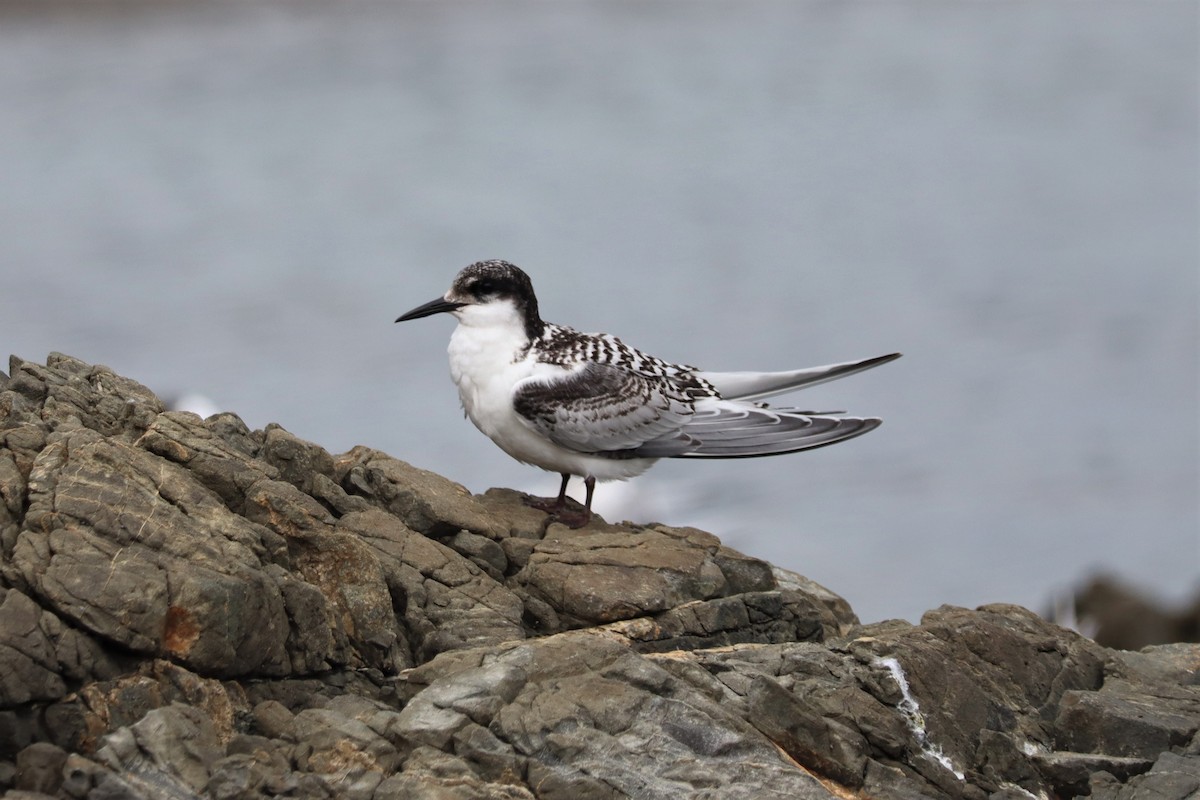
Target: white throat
{"x":500,"y":316}
{"x":486,"y":357}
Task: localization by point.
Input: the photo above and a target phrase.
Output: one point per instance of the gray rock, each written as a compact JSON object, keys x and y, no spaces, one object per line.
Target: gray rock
{"x":189,"y":607}
{"x":273,"y":720}
{"x":68,"y":392}
{"x":837,"y":605}
{"x":431,"y":774}
{"x":490,"y":757}
{"x":80,"y":775}
{"x":422,"y":500}
{"x":40,"y":768}
{"x":1070,"y":773}
{"x":350,"y":757}
{"x":108,"y":545}
{"x":508,"y":507}
{"x":586,"y":704}
{"x":1124,"y":719}
{"x":28,"y":667}
{"x":820,"y":742}
{"x":777,"y":616}
{"x":79,"y":721}
{"x":1169,"y":664}
{"x":483,"y":552}
{"x":445,"y":600}
{"x":604,"y":577}
{"x":177,"y":741}
{"x":1173,"y":777}
{"x":441,"y":710}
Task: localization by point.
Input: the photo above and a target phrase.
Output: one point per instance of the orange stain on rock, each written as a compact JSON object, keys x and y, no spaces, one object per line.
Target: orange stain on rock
{"x":180,"y":631}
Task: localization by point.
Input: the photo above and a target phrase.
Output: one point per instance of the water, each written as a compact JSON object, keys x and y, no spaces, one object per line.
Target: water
{"x":237,"y":199}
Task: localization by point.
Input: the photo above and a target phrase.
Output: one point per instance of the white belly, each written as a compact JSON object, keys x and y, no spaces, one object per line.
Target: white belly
{"x":485,"y":365}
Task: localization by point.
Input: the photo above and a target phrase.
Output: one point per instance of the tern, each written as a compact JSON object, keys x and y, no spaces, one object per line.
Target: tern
{"x":587,"y":404}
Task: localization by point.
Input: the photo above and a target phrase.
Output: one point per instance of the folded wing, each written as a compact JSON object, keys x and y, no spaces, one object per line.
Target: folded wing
{"x":604,"y":409}
{"x":733,"y":429}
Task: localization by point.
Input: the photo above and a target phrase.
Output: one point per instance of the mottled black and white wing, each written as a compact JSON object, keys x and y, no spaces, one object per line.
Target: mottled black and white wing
{"x":608,"y":409}
{"x":605,"y":409}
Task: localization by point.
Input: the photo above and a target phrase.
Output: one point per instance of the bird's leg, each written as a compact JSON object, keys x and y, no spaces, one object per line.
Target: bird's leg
{"x":573,"y":518}
{"x":548,"y":505}
{"x":561,"y":500}
{"x":558,"y":508}
{"x":589,"y":483}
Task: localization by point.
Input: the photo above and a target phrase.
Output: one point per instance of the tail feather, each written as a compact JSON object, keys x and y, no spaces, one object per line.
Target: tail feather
{"x":758,"y":385}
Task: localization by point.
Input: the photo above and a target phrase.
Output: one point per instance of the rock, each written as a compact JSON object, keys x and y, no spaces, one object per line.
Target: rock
{"x":1173,"y":777}
{"x":79,"y":721}
{"x":1163,"y":664}
{"x":109,"y":546}
{"x":422,"y":500}
{"x":1124,"y":719}
{"x":584,"y":705}
{"x":522,"y":520}
{"x":435,"y":715}
{"x":40,"y":768}
{"x":177,"y":742}
{"x":349,"y":756}
{"x":445,"y":600}
{"x":483,"y":552}
{"x":1070,"y":773}
{"x":1123,"y":618}
{"x":28,"y":668}
{"x":830,"y":747}
{"x":777,"y":616}
{"x":431,"y":774}
{"x":189,"y":608}
{"x":80,"y":775}
{"x":604,"y":577}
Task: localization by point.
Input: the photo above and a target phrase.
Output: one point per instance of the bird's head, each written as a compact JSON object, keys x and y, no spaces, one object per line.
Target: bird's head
{"x":488,"y":293}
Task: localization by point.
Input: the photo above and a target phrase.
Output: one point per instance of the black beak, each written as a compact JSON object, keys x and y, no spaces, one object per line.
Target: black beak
{"x":432,"y":307}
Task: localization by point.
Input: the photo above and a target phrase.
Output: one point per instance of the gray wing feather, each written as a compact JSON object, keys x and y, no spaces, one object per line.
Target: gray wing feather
{"x":607,"y":410}
{"x":724,"y":429}
{"x":602,"y":408}
{"x":757,"y":385}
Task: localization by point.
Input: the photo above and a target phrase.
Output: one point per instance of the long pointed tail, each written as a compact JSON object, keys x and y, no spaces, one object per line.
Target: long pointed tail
{"x":757,"y":385}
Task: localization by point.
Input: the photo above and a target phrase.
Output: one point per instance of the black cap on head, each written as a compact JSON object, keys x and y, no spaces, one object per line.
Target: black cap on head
{"x":485,"y":281}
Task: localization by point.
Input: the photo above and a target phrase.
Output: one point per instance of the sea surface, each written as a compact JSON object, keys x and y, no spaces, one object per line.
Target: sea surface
{"x":236,"y":199}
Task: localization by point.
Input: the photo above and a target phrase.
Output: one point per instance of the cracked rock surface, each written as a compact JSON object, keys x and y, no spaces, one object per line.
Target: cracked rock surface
{"x":189,"y":608}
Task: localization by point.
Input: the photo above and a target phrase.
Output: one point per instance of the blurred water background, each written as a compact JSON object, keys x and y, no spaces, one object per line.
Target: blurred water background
{"x":238,"y":198}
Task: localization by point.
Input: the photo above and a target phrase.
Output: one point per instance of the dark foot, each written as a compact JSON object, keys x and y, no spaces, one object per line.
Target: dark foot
{"x":560,"y":511}
{"x":572,"y":518}
{"x":550,"y":505}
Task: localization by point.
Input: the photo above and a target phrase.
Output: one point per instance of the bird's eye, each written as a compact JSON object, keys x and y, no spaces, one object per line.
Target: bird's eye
{"x":483,"y":286}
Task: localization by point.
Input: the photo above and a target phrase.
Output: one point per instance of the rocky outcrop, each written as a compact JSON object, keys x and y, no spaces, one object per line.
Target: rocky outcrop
{"x":1119,"y":616}
{"x":189,"y":608}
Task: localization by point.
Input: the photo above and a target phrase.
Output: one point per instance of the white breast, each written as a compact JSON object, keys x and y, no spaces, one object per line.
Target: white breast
{"x":486,"y":363}
{"x":485,"y":366}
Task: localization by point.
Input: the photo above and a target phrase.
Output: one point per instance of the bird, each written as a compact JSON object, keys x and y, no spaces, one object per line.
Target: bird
{"x":589,"y":405}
